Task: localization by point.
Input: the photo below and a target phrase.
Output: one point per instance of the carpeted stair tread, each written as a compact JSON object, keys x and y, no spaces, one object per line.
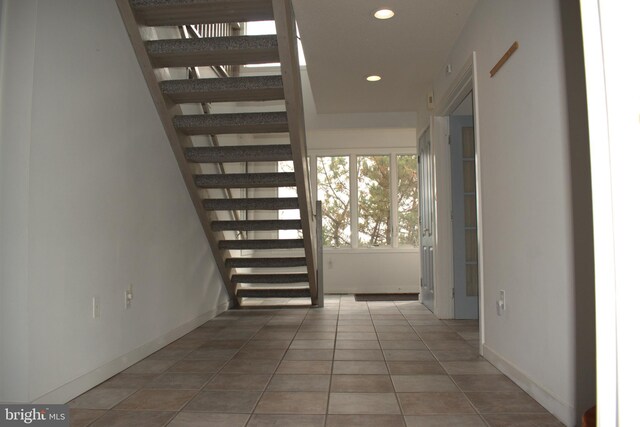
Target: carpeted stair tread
{"x":270,"y":278}
{"x":232,"y":89}
{"x":233,"y":50}
{"x":239,"y":153}
{"x":273,"y":293}
{"x":264,"y":203}
{"x":257,"y":244}
{"x":265,"y":262}
{"x":183,"y":12}
{"x":257,"y":224}
{"x":233,"y":123}
{"x":246,"y":180}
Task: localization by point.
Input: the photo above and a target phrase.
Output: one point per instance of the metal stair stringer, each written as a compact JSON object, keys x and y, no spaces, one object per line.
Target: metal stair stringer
{"x":166,"y":111}
{"x":289,"y":63}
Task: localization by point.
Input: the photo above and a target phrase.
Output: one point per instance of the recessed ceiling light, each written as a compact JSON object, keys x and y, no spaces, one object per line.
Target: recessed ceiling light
{"x":374,"y":78}
{"x":384,"y":14}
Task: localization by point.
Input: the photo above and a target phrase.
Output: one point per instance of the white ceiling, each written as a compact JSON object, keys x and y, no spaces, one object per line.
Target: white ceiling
{"x":343,"y":44}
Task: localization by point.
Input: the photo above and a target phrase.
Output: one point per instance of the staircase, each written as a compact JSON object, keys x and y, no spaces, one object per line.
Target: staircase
{"x":190,"y":53}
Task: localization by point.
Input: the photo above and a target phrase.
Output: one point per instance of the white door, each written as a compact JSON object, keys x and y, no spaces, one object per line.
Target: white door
{"x":426,"y":193}
{"x":464,"y":217}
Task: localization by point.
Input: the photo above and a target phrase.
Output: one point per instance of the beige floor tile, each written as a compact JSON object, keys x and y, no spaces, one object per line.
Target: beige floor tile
{"x":150,"y":366}
{"x":101,"y":398}
{"x":84,"y":417}
{"x":434,"y":403}
{"x":356,"y":328}
{"x":460,"y":345}
{"x":205,"y":419}
{"x":469,"y":354}
{"x":444,"y":421}
{"x":469,"y":368}
{"x":397,"y":336}
{"x":371,"y":336}
{"x":128,"y":380}
{"x":357,"y":344}
{"x":239,"y":382}
{"x":227,"y":344}
{"x":503,"y":402}
{"x":522,"y":420}
{"x":394,"y":328}
{"x":409,"y":355}
{"x":302,"y":367}
{"x":312,"y":344}
{"x":156,"y":400}
{"x":211,"y":353}
{"x":415,"y":368}
{"x":247,"y":366}
{"x":299,"y":383}
{"x":133,"y":418}
{"x":403,"y":345}
{"x":260,"y":354}
{"x":167,"y":353}
{"x":309,"y":354}
{"x":440,"y":336}
{"x":363,"y":403}
{"x":361,"y":384}
{"x":264,"y":420}
{"x":198,"y":366}
{"x":226,"y":402}
{"x":423,"y":383}
{"x":341,"y":354}
{"x":390,"y":322}
{"x":175,"y":380}
{"x":347,"y":367}
{"x":278,"y":402}
{"x":275,"y":335}
{"x":267,"y":344}
{"x":379,"y":420}
{"x":484,"y":383}
{"x":315,"y":335}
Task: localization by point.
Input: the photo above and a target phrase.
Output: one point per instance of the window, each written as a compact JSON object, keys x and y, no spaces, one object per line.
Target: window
{"x":334,"y":192}
{"x":368,"y":200}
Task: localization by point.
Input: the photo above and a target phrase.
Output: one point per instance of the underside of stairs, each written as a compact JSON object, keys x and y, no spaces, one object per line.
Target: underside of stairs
{"x":217,"y":118}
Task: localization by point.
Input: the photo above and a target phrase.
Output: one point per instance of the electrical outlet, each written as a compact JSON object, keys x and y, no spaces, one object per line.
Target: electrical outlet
{"x":128,"y":297}
{"x":502,"y":302}
{"x":95,"y":307}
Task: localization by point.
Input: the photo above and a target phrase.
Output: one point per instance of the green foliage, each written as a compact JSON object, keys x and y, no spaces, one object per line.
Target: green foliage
{"x":333,"y":191}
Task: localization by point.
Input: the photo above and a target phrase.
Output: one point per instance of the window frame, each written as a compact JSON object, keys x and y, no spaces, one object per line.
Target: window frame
{"x":353,"y":193}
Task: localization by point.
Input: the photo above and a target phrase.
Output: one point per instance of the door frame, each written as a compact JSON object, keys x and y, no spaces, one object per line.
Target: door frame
{"x":463,"y":83}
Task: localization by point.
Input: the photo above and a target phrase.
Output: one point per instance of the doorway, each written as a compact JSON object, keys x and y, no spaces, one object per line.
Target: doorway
{"x":464,"y":215}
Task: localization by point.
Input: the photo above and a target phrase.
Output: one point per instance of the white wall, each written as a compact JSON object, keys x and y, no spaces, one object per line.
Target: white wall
{"x":91,"y":202}
{"x":535,"y":195}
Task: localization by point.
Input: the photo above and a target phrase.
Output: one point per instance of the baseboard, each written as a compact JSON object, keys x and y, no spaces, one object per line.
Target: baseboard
{"x":91,"y":379}
{"x":562,"y":410}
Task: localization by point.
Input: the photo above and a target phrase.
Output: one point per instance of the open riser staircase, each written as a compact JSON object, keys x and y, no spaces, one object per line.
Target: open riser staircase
{"x":217,"y":121}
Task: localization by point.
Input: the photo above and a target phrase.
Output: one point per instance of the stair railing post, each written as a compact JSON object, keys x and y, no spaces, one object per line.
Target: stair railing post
{"x":319,"y":242}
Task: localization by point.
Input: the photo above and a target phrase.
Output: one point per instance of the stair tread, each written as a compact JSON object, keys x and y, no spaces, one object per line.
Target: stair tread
{"x":271,"y":262}
{"x":182,"y":12}
{"x":246,"y":180}
{"x":258,"y":244}
{"x":258,"y":224}
{"x":231,"y":50}
{"x":270,"y":278}
{"x":263,"y":203}
{"x":232,"y":123}
{"x":239,"y":153}
{"x":273,"y":293}
{"x":232,"y":89}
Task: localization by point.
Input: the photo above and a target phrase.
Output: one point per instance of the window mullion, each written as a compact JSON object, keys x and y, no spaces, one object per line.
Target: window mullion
{"x":394,"y":199}
{"x":353,"y":186}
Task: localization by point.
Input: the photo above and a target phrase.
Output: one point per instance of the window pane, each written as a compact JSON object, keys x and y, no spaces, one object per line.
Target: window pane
{"x":287,"y":166}
{"x":408,"y":219}
{"x":333,"y":192}
{"x":374,"y":201}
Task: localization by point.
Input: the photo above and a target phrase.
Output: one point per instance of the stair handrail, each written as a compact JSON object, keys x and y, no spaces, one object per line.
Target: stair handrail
{"x":290,"y":69}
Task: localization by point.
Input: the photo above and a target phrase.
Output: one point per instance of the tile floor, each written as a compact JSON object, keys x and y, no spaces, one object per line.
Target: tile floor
{"x":348,"y":364}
